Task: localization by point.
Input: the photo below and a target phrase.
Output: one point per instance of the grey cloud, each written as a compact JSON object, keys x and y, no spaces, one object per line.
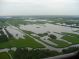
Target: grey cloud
{"x":39,"y":7}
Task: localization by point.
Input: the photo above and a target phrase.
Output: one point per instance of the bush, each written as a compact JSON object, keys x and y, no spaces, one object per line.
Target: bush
{"x":33,"y":54}
{"x":52,"y":36}
{"x":70,"y":49}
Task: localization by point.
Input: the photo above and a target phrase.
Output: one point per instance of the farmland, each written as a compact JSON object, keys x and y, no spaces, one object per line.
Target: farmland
{"x":49,"y":33}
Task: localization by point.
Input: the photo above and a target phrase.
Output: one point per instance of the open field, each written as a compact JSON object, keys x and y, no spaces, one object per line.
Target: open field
{"x":28,"y":42}
{"x":4,"y":55}
{"x":74,"y":38}
{"x":36,"y":27}
{"x":53,"y":34}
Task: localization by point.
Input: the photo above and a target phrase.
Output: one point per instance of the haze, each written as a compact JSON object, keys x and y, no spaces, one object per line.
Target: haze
{"x":39,"y":7}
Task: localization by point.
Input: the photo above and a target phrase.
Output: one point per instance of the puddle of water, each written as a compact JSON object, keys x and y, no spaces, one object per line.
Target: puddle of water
{"x":35,"y":20}
{"x":51,"y":28}
{"x":5,"y":32}
{"x":45,"y":39}
{"x":48,"y":27}
{"x":4,"y":50}
{"x":15,"y":32}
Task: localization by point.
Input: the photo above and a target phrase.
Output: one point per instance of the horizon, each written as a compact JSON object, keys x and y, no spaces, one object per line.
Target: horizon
{"x":36,"y":15}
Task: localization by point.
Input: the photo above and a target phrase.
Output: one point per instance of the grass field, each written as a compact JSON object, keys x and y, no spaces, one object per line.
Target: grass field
{"x":27,"y":42}
{"x":16,"y":22}
{"x":4,"y":55}
{"x":30,"y":42}
{"x":61,"y":44}
{"x":74,"y":38}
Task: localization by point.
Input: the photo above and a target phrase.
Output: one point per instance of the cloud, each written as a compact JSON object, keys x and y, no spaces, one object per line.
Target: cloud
{"x":39,"y":7}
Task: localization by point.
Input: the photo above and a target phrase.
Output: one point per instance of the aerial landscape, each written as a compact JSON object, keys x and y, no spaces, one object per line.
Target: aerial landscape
{"x":54,"y":33}
{"x":39,"y":29}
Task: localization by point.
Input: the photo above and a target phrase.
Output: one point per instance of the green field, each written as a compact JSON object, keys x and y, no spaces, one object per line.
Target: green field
{"x":30,"y":42}
{"x":16,"y":22}
{"x":4,"y":55}
{"x":27,"y":42}
{"x":10,"y":41}
{"x":61,"y":44}
{"x":74,"y":38}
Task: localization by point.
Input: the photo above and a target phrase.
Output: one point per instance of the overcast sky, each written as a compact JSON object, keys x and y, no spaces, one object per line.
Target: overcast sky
{"x":39,"y":7}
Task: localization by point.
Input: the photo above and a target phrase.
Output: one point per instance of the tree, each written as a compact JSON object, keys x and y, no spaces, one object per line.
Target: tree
{"x":23,"y":53}
{"x":52,"y":36}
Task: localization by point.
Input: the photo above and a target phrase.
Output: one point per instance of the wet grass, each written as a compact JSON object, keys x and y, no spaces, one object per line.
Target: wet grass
{"x":74,"y":38}
{"x":4,"y":55}
{"x":27,"y":42}
{"x":2,"y":24}
{"x":28,"y":32}
{"x":16,"y":22}
{"x":60,"y":44}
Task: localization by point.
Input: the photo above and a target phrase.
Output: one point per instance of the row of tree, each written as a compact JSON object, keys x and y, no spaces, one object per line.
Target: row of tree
{"x":23,"y":53}
{"x":52,"y":36}
{"x":70,"y":50}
